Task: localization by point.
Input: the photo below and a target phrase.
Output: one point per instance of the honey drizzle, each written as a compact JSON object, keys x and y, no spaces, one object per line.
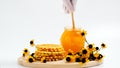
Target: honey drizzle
{"x":73,"y":22}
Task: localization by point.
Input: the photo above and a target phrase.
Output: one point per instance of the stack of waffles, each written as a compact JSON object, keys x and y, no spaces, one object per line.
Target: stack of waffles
{"x":51,"y":52}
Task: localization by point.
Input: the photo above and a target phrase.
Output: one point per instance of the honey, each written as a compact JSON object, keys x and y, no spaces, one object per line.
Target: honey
{"x":72,"y":39}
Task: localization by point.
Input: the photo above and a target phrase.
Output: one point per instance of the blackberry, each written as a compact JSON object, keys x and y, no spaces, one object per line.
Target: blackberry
{"x":25,"y":50}
{"x":103,"y":45}
{"x":100,"y":56}
{"x":31,"y":42}
{"x":23,"y":55}
{"x":30,"y":60}
{"x":83,"y":60}
{"x":77,"y":60}
{"x":97,"y":48}
{"x":44,"y":61}
{"x":68,"y":59}
{"x":82,"y":33}
{"x":84,"y":51}
{"x":69,"y":53}
{"x":90,"y":46}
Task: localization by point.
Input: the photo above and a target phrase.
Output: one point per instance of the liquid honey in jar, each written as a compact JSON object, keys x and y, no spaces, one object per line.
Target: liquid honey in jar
{"x":72,"y":39}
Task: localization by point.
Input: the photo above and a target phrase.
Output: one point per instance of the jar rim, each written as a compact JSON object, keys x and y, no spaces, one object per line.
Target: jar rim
{"x":70,"y":28}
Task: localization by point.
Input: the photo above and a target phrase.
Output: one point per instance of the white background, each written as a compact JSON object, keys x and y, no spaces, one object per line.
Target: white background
{"x":44,"y":21}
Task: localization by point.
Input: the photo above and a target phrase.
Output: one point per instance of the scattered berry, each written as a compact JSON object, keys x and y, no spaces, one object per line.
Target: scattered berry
{"x":84,"y":51}
{"x":90,"y":46}
{"x":30,"y":60}
{"x":97,"y":48}
{"x":83,"y":60}
{"x":69,"y":53}
{"x":26,"y":50}
{"x":92,"y":57}
{"x":100,"y":56}
{"x":44,"y":61}
{"x":31,"y":42}
{"x":77,"y":60}
{"x":103,"y":45}
{"x":68,"y":59}
{"x":82,"y":33}
{"x":23,"y":54}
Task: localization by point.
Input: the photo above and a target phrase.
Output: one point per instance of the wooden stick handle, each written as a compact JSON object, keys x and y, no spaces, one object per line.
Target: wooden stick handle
{"x":73,"y":22}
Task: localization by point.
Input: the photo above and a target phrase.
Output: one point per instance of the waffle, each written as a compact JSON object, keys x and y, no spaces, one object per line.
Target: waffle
{"x":52,"y":52}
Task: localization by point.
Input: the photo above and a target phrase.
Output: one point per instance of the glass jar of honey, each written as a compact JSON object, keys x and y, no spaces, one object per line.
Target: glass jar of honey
{"x":72,"y":39}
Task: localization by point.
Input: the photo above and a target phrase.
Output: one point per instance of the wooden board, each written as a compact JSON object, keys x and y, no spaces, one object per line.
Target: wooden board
{"x":56,"y":64}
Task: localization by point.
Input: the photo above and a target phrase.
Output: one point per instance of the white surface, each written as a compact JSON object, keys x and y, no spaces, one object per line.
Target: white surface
{"x":44,"y":21}
{"x":56,"y":64}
